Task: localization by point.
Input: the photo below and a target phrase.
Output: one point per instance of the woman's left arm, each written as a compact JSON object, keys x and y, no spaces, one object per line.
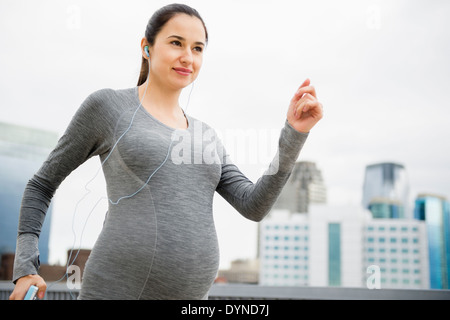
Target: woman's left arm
{"x":255,"y":200}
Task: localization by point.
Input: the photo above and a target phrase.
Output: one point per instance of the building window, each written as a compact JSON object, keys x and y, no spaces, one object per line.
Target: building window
{"x":334,"y":254}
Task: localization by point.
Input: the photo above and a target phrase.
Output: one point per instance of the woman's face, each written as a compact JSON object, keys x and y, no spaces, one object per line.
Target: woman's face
{"x":177,"y":54}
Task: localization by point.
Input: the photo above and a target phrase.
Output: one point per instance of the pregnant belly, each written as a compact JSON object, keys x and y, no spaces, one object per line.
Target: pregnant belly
{"x":154,"y":259}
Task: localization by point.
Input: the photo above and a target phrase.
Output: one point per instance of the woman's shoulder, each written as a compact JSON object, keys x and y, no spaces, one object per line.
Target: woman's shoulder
{"x":108,"y":100}
{"x":110,"y":95}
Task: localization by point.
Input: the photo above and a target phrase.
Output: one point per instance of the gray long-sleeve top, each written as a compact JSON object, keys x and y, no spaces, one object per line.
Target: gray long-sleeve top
{"x":159,"y":243}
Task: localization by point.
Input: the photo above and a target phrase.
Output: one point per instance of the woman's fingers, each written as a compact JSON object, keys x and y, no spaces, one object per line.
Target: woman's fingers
{"x":298,"y":94}
{"x":306,"y":89}
{"x":24,"y":283}
{"x":304,"y":110}
{"x":304,"y":84}
{"x":302,"y":94}
{"x":304,"y":104}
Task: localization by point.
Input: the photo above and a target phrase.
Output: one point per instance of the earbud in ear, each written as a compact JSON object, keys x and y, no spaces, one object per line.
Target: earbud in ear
{"x":146,"y":51}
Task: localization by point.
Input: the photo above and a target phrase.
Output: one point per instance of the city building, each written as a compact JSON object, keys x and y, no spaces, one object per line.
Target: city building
{"x":339,"y":245}
{"x":304,"y":187}
{"x":284,"y":250}
{"x":386,"y":208}
{"x":22,"y":152}
{"x":398,"y":248}
{"x":321,"y":248}
{"x":240,"y":271}
{"x":434,"y":211}
{"x":386,"y":185}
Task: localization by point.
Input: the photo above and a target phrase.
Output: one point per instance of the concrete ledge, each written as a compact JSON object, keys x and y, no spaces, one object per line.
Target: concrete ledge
{"x":59,"y":291}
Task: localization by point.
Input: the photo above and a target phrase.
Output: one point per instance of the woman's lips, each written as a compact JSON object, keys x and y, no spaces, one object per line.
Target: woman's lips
{"x":183,"y":71}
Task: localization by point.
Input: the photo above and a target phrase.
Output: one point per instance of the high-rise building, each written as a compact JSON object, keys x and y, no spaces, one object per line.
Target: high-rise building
{"x":339,"y":245}
{"x":435,"y":211}
{"x":386,"y":208}
{"x":398,"y":248}
{"x":336,"y":245}
{"x":22,"y":152}
{"x":321,"y":248}
{"x":386,"y":190}
{"x":284,"y":250}
{"x":305,"y":186}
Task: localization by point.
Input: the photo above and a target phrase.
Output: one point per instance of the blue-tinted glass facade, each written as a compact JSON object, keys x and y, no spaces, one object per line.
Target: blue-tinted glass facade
{"x":22,"y":152}
{"x":386,"y":183}
{"x":386,"y":209}
{"x":435,"y":211}
{"x":334,"y":254}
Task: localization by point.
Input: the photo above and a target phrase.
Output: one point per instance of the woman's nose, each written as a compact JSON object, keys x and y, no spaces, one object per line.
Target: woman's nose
{"x":186,"y":58}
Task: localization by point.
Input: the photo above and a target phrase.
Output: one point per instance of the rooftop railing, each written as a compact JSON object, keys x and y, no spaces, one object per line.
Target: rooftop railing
{"x":60,"y":291}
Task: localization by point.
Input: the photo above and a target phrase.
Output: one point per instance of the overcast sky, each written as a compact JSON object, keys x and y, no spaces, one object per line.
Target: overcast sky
{"x":381,"y":70}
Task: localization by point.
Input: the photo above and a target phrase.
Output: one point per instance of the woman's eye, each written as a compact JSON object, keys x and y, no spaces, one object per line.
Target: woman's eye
{"x":199,"y":49}
{"x":175,"y":42}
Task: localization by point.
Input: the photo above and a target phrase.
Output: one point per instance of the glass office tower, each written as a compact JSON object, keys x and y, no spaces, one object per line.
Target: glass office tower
{"x":435,"y":211}
{"x":22,"y":152}
{"x":386,"y":208}
{"x":386,"y":190}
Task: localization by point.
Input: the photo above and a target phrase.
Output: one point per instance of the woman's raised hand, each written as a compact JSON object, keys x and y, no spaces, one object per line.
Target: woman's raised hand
{"x":304,"y":110}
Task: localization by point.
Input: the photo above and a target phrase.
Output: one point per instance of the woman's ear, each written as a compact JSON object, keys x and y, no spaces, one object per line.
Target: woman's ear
{"x":145,"y":48}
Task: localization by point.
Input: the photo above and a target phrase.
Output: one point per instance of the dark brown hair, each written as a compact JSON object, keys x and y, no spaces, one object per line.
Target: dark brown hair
{"x":157,"y":22}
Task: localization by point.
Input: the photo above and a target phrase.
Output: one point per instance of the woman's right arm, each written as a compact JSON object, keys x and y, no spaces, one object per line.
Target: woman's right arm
{"x":86,"y":136}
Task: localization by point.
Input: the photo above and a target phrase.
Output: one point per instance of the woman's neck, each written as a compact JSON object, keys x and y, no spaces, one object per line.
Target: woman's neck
{"x":159,"y":98}
{"x":162,"y":103}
